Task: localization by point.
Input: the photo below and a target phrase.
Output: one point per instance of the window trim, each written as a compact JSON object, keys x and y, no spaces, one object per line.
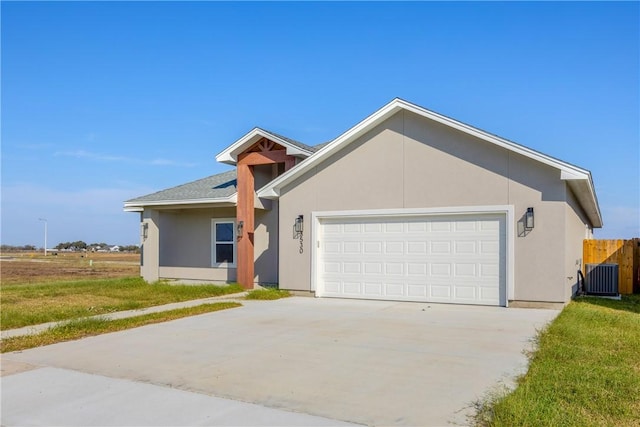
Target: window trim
{"x":214,"y":242}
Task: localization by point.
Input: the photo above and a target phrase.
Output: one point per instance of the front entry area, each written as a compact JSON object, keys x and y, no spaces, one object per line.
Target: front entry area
{"x":444,"y":258}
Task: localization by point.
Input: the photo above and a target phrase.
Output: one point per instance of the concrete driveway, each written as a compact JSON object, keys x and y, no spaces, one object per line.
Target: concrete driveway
{"x":364,"y":362}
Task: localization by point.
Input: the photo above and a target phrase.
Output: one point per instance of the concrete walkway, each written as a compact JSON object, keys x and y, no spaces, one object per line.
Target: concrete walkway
{"x":36,"y":329}
{"x":62,"y":397}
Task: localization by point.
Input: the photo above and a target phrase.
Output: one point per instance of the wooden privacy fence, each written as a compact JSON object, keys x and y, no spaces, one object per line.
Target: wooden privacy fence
{"x":625,"y":253}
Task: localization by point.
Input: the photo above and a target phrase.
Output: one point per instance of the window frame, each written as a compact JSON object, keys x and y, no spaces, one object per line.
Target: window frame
{"x":214,"y":242}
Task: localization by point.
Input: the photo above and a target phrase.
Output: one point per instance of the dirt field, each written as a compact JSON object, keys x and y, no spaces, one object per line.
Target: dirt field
{"x":26,"y":268}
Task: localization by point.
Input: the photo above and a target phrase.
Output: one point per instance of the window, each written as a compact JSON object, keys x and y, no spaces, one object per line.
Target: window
{"x":223,"y":248}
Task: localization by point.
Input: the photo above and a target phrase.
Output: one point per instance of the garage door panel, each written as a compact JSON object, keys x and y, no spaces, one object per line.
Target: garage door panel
{"x":352,"y":247}
{"x":490,"y":247}
{"x":465,"y":247}
{"x":373,"y":247}
{"x":331,"y":267}
{"x":442,"y":248}
{"x":350,"y":228}
{"x":488,"y":294}
{"x":488,"y":270}
{"x":373,"y":228}
{"x":416,"y":291}
{"x":395,"y":289}
{"x":373,"y":289}
{"x":372,"y":268}
{"x":465,"y":293}
{"x":416,"y":227}
{"x":394,"y":248}
{"x":394,"y":227}
{"x":352,"y":288}
{"x":440,"y":269}
{"x":462,"y":270}
{"x":394,"y":269}
{"x":456,"y":259}
{"x":416,"y":248}
{"x":438,"y":226}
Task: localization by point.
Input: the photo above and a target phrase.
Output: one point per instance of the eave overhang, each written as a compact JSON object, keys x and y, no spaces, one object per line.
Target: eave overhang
{"x":221,"y":202}
{"x":133,"y":206}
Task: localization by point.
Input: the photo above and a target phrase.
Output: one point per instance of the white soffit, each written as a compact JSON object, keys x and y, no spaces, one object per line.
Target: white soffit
{"x":139,"y":206}
{"x":230,"y":154}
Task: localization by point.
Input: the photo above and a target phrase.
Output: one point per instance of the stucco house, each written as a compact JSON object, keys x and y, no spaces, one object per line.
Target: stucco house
{"x":406,"y":205}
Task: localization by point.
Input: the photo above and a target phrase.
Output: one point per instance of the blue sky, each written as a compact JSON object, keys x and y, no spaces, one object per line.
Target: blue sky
{"x":103,"y":102}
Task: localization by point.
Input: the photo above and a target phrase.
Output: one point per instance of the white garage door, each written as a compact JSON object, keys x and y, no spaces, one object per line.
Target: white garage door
{"x":449,"y":259}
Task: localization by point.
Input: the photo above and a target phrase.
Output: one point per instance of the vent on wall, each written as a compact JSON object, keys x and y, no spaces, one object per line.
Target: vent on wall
{"x":601,"y":279}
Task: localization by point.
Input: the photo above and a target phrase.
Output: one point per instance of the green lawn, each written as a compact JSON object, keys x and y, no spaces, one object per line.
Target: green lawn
{"x":267,"y":294}
{"x":586,"y":371}
{"x":81,"y":328}
{"x":31,"y":304}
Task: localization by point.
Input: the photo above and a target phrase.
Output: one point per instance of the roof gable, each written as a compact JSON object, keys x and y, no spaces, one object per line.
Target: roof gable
{"x":294,"y":148}
{"x":579,"y":180}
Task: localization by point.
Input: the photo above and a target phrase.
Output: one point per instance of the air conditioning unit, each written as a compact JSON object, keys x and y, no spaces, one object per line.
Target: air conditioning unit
{"x":601,"y":279}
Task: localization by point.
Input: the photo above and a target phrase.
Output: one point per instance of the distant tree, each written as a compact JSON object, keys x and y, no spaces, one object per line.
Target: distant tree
{"x":79,"y":244}
{"x":12,"y":248}
{"x":74,"y":246}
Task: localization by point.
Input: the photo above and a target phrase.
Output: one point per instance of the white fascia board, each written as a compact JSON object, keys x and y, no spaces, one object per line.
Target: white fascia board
{"x":568,"y":170}
{"x":586,"y":195}
{"x":139,"y":206}
{"x":272,"y":189}
{"x":230,"y":154}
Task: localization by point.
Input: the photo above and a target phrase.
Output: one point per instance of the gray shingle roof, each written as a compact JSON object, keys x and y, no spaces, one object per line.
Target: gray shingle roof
{"x":211,"y":187}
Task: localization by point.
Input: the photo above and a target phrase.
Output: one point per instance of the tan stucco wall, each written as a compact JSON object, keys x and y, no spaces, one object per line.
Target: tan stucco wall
{"x":182,"y":245}
{"x":185,"y":236}
{"x":150,"y":245}
{"x":266,"y":245}
{"x":576,"y":232}
{"x":412,"y":162}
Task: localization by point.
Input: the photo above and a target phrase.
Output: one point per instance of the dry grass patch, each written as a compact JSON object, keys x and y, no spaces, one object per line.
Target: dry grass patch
{"x":35,"y":268}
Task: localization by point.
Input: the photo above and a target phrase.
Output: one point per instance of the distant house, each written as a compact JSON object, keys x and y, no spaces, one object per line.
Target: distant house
{"x":114,"y":248}
{"x":407,"y":205}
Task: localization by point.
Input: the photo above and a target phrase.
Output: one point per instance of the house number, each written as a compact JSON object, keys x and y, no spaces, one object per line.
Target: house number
{"x":301,"y":247}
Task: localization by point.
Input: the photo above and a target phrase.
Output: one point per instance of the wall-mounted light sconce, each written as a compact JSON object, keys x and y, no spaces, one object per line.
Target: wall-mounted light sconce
{"x":239,"y":228}
{"x":298,"y":226}
{"x":528,"y":219}
{"x":145,"y":231}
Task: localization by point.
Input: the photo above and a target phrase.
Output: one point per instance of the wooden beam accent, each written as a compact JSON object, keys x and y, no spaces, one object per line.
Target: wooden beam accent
{"x":245,"y":209}
{"x":263,"y":158}
{"x":264,"y":144}
{"x":245,"y":213}
{"x":267,"y":145}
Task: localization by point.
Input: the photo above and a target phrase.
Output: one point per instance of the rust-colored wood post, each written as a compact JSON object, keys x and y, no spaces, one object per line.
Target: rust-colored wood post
{"x":246,"y":204}
{"x":245,"y":213}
